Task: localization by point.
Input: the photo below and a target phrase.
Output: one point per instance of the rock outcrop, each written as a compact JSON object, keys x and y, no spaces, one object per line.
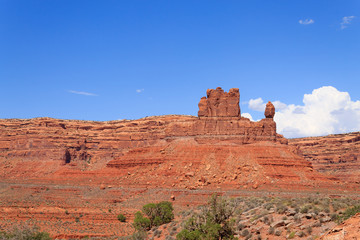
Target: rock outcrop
{"x":269,"y":110}
{"x":220,"y":104}
{"x":349,"y":229}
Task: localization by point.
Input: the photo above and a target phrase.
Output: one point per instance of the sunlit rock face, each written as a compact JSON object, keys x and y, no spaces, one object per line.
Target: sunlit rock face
{"x":218,"y":103}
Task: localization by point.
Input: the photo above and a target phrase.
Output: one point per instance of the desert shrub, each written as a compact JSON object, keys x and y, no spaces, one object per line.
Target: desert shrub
{"x":141,"y":223}
{"x":245,"y":233}
{"x":316,"y":210}
{"x":240,"y":226}
{"x":271,"y":230}
{"x":277,"y":233}
{"x":121,"y":218}
{"x":349,"y":212}
{"x":138,"y":235}
{"x":309,"y":230}
{"x":304,"y":209}
{"x":281,"y":209}
{"x":212,"y":223}
{"x":157,"y":233}
{"x":189,"y":235}
{"x":159,"y":213}
{"x":248,"y":237}
{"x":25,"y":233}
{"x":291,"y":235}
{"x":268,"y":206}
{"x":334,"y":217}
{"x":266,"y":220}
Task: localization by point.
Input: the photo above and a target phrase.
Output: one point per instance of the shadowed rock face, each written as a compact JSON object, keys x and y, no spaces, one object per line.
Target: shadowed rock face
{"x":220,"y":104}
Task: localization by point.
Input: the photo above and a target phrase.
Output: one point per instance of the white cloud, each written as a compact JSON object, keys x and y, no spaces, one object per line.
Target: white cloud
{"x":139,"y":90}
{"x":306,"y":21}
{"x":325,"y":111}
{"x":247,"y":115}
{"x":82,"y":93}
{"x":346,"y":21}
{"x":259,"y":105}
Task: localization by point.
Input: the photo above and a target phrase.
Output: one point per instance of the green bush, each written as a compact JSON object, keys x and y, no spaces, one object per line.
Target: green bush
{"x":156,"y":215}
{"x":349,"y":212}
{"x":121,"y":218}
{"x":141,"y":223}
{"x":25,"y":233}
{"x":159,"y":213}
{"x":212,"y":223}
{"x":189,"y":235}
{"x":304,"y":209}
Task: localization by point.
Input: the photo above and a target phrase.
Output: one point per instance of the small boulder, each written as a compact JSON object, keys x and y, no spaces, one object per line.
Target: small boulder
{"x":278,"y":224}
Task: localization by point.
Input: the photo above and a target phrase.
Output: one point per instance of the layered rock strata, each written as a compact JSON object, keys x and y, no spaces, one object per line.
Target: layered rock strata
{"x":337,"y":155}
{"x":68,"y":141}
{"x":220,"y":139}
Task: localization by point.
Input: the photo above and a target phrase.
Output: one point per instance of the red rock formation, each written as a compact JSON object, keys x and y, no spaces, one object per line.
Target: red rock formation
{"x":338,"y":154}
{"x":220,"y":104}
{"x":269,"y":110}
{"x":91,"y":167}
{"x":76,"y":142}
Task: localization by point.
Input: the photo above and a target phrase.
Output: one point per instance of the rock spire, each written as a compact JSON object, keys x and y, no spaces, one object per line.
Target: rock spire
{"x":269,"y":110}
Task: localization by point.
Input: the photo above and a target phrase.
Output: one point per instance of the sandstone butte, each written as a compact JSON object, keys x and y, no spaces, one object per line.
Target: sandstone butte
{"x":88,"y":165}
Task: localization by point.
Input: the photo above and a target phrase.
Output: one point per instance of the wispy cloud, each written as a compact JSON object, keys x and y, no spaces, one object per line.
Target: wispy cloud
{"x":139,"y":90}
{"x":83,"y":93}
{"x":306,"y":21}
{"x":346,"y":21}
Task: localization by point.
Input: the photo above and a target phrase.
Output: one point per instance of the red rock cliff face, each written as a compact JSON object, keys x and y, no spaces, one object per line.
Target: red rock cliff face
{"x":220,"y":140}
{"x":66,"y":140}
{"x":338,"y":154}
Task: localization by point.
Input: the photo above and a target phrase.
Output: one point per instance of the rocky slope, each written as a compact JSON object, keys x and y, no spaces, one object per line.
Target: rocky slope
{"x":350,"y":229}
{"x":337,"y":155}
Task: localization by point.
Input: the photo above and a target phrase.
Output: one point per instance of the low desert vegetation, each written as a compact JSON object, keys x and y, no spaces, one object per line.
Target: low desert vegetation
{"x":156,"y":214}
{"x":121,"y":218}
{"x":151,"y":217}
{"x":244,"y":218}
{"x":24,"y":232}
{"x":214,"y":221}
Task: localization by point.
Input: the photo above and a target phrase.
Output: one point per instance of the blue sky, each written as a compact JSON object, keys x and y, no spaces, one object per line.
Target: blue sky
{"x":108,"y":60}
